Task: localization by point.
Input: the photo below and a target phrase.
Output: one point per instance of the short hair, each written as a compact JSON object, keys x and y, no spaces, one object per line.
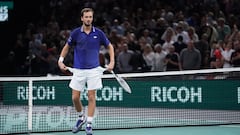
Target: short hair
{"x":158,"y":45}
{"x":86,"y":10}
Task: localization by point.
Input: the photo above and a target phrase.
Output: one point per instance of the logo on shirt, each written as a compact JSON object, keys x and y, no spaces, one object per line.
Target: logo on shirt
{"x":69,"y":39}
{"x":95,"y":37}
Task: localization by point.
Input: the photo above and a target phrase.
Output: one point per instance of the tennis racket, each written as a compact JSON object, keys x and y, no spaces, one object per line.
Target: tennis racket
{"x":119,"y":79}
{"x":122,"y":82}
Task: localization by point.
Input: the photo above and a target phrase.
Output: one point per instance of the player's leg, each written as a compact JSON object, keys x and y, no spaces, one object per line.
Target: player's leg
{"x":94,"y":82}
{"x":91,"y":103}
{"x":77,"y":84}
{"x":76,"y":100}
{"x":77,"y":103}
{"x":79,"y":108}
{"x":91,"y":110}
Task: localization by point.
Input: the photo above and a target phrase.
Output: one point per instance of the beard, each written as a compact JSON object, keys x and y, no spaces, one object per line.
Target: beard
{"x":88,"y":24}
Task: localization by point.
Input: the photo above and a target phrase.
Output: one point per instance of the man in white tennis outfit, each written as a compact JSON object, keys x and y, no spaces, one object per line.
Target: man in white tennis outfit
{"x":86,"y":41}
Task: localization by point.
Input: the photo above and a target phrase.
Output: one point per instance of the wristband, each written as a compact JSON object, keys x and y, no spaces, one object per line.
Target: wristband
{"x":61,"y":59}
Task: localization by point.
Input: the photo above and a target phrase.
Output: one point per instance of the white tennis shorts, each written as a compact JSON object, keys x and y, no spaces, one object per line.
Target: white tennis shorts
{"x":89,"y":79}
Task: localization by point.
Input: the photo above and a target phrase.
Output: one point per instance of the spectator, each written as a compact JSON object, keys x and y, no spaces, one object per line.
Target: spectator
{"x":172,"y":60}
{"x":52,"y":60}
{"x":226,"y":55}
{"x":168,"y":38}
{"x":210,"y":31}
{"x":192,"y":34}
{"x":40,"y":60}
{"x":223,"y":29}
{"x":132,"y":41}
{"x":181,"y":32}
{"x":190,"y":57}
{"x":137,"y":62}
{"x":216,"y":56}
{"x":114,"y":37}
{"x":235,"y":34}
{"x":204,"y":48}
{"x":146,"y":36}
{"x":148,"y":56}
{"x":123,"y":60}
{"x":158,"y":61}
{"x":161,"y":26}
{"x":179,"y":45}
{"x":118,"y":27}
{"x":235,"y":58}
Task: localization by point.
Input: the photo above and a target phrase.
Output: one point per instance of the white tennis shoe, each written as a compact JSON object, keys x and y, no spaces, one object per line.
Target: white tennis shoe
{"x":89,"y":129}
{"x":80,"y":122}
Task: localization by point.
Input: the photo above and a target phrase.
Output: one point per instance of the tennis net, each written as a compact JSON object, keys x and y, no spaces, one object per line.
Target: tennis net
{"x":158,"y":99}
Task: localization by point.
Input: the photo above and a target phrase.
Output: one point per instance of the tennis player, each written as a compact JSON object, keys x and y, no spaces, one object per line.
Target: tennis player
{"x":86,"y":41}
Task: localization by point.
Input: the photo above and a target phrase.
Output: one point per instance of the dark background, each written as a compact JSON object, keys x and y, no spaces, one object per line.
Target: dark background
{"x":38,"y":12}
{"x":23,"y":12}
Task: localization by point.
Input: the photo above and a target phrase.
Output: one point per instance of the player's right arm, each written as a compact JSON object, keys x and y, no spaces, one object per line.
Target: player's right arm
{"x":63,"y":54}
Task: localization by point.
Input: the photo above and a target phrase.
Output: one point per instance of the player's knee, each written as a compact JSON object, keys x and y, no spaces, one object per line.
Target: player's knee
{"x":91,"y":98}
{"x":75,"y":98}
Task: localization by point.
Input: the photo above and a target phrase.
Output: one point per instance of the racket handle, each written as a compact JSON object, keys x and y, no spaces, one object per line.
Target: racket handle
{"x":109,"y":71}
{"x":70,"y":69}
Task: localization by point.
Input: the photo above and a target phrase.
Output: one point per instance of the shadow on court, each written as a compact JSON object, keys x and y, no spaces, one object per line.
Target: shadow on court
{"x":203,"y":130}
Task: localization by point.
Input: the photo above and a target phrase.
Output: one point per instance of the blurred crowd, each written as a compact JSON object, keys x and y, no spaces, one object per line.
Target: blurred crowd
{"x":153,"y":35}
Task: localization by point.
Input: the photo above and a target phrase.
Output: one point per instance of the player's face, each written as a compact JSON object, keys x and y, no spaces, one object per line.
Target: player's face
{"x":87,"y":18}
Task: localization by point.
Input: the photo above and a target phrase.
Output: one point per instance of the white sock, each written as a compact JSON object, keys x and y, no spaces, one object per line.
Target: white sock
{"x":80,"y":114}
{"x":89,"y":119}
{"x":89,"y":125}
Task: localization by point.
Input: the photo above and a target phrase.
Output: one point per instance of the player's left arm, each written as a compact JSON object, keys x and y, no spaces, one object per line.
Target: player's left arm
{"x":111,"y":55}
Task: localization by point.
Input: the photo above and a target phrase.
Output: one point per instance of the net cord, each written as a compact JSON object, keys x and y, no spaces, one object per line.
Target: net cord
{"x":145,"y":74}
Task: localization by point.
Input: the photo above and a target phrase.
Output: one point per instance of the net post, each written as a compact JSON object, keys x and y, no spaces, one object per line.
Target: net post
{"x":30,"y":104}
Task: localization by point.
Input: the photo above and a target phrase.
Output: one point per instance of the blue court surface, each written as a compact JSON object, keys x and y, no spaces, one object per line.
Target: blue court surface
{"x":196,"y":130}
